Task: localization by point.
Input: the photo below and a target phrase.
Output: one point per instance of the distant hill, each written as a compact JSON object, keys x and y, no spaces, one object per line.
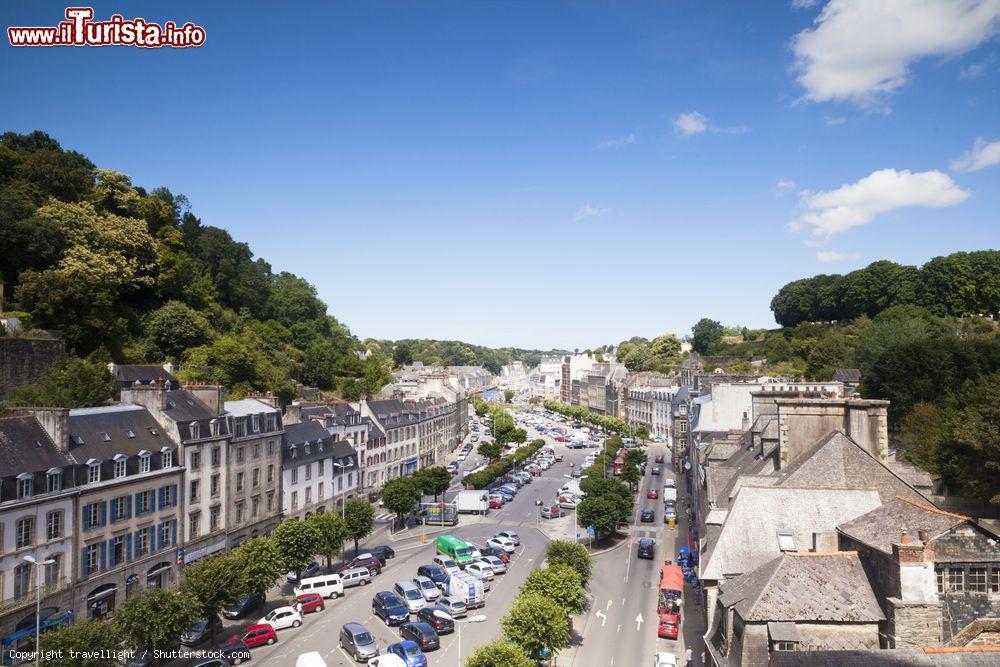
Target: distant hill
{"x":455,"y":353}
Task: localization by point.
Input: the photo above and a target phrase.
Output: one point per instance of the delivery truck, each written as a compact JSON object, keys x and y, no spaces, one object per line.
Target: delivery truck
{"x":468,"y":588}
{"x":472,"y":502}
{"x":669,"y":493}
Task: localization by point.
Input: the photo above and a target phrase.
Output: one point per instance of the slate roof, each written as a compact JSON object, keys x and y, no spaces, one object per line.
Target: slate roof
{"x":248,"y":406}
{"x":144,"y":374}
{"x":749,"y":535}
{"x":897,"y":657}
{"x":26,"y":447}
{"x":845,"y":375}
{"x":105,"y":432}
{"x":836,"y":461}
{"x":808,"y":587}
{"x":183,"y":406}
{"x":882,"y":527}
{"x":912,"y":474}
{"x":311,"y":433}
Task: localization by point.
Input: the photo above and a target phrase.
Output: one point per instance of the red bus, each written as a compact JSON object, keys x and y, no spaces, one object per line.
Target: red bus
{"x":618,"y":466}
{"x":670,"y":597}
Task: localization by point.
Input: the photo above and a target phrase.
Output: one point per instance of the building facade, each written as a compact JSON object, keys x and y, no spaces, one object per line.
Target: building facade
{"x":254,"y":467}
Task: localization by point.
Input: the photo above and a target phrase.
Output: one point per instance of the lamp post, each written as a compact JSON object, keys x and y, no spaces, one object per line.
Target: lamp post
{"x":343,"y":491}
{"x":38,"y":601}
{"x":479,"y":618}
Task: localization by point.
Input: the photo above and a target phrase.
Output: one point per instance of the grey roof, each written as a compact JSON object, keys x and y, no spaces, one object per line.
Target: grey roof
{"x":807,"y":587}
{"x":721,"y":450}
{"x":683,"y":395}
{"x":308,"y":431}
{"x":298,"y":437}
{"x":26,"y":447}
{"x":883,"y":526}
{"x":912,"y":474}
{"x":144,"y":374}
{"x":182,"y":405}
{"x":749,"y":535}
{"x":847,"y":375}
{"x":248,"y":406}
{"x":103,"y":433}
{"x":898,"y":657}
{"x":782,"y":631}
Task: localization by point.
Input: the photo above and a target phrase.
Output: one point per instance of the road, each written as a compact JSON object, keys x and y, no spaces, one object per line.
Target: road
{"x":320,"y":631}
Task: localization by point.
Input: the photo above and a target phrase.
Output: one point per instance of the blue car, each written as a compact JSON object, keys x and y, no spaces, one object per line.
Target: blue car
{"x":409,"y":652}
{"x":389,"y":607}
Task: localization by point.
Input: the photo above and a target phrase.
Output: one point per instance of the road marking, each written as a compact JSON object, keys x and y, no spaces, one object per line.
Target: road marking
{"x":609,"y":604}
{"x":600,"y":614}
{"x":638,"y":621}
{"x":619,"y":628}
{"x":628,"y":563}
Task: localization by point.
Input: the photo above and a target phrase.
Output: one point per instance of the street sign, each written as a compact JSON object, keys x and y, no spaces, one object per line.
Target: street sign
{"x":590,"y":530}
{"x":578,"y":536}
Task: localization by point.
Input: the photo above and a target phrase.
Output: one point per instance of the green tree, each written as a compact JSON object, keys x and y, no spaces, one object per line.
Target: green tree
{"x":401,"y":495}
{"x":636,"y":358}
{"x":561,"y":583}
{"x":642,"y":433}
{"x":489,"y":450}
{"x":215,"y":583}
{"x":921,"y":432}
{"x":154,"y":619}
{"x":331,"y":531}
{"x":704,"y":333}
{"x":498,"y":653}
{"x":667,"y":345}
{"x":174,"y":327}
{"x":319,"y":364}
{"x":81,"y":644}
{"x":604,"y":513}
{"x":537,"y":623}
{"x":777,"y":349}
{"x":566,"y":552}
{"x":631,"y":475}
{"x":360,"y":519}
{"x":259,"y":563}
{"x":296,"y":543}
{"x":895,"y":325}
{"x":969,"y":456}
{"x":434,"y":480}
{"x":508,"y":395}
{"x":376,"y":374}
{"x":70,"y":383}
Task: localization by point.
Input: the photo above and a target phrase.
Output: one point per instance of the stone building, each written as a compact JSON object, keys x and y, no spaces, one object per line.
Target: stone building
{"x":131,"y":375}
{"x":254,"y":467}
{"x":318,"y":471}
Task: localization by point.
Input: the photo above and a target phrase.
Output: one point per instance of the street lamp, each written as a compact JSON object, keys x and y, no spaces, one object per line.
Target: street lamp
{"x":38,"y":601}
{"x":479,"y":618}
{"x":343,"y":490}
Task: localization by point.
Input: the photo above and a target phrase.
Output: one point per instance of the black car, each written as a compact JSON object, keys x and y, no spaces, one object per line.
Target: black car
{"x":647,"y":549}
{"x":382,"y":552}
{"x":656,"y":470}
{"x":647,"y":516}
{"x":244,"y":607}
{"x":429,"y":615}
{"x":202,"y":630}
{"x":390,"y":608}
{"x":422,"y":633}
{"x":234,"y":650}
{"x":435,"y":573}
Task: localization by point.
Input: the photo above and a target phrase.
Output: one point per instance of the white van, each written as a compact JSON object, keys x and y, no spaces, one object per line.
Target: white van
{"x":328,"y":585}
{"x":310,"y":659}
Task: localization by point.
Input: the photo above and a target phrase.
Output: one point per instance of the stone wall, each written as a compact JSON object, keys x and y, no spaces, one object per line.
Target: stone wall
{"x":965,"y":547}
{"x":913,"y":624}
{"x":24,"y":360}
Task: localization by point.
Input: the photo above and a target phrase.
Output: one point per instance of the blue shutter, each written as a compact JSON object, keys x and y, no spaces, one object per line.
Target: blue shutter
{"x":173,"y":532}
{"x":173,"y":495}
{"x":138,"y":510}
{"x":83,"y":563}
{"x":161,"y":497}
{"x":104,"y":513}
{"x":159,"y":537}
{"x":128,"y":546}
{"x":114,"y":510}
{"x":86,"y":517}
{"x":104,"y":555}
{"x":128,"y":506}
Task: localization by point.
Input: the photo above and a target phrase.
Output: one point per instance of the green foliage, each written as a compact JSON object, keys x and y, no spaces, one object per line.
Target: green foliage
{"x":71,"y":383}
{"x":173,"y":328}
{"x":642,"y":433}
{"x":86,"y":639}
{"x":489,"y":450}
{"x":433,"y":481}
{"x":559,"y":582}
{"x":296,"y":542}
{"x":360,"y":519}
{"x":897,"y":324}
{"x":584,"y":415}
{"x":536,"y":623}
{"x":401,"y":495}
{"x":214,"y":583}
{"x":480,"y":407}
{"x":572,"y":554}
{"x":921,"y":432}
{"x":631,"y":475}
{"x":259,"y":563}
{"x":457,"y":353}
{"x":969,"y":455}
{"x":331,"y":531}
{"x":704,"y":333}
{"x":153,"y":619}
{"x":498,"y":653}
{"x":605,"y":513}
{"x":492,"y":472}
{"x":508,"y":395}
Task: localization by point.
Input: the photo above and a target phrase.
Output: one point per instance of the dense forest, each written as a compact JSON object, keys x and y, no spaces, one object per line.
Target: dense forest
{"x":133,"y":276}
{"x":455,"y":353}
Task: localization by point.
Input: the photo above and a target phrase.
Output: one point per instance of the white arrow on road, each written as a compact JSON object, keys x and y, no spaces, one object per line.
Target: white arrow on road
{"x":609,"y":605}
{"x":638,"y":622}
{"x":600,"y":615}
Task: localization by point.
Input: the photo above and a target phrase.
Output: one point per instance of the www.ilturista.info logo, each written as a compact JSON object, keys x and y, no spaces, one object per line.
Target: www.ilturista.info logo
{"x":79,"y":29}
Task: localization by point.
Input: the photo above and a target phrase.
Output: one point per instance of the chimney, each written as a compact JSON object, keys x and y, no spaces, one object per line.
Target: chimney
{"x":210,"y":395}
{"x":746,"y":422}
{"x":923,"y":536}
{"x":905,"y":539}
{"x":55,"y":421}
{"x":825,"y":542}
{"x":168,"y":367}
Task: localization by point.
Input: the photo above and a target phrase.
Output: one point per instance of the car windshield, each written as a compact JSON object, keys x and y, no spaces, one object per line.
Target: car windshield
{"x":413,"y":594}
{"x":363,"y":638}
{"x":429,"y":585}
{"x":412,"y":651}
{"x":466,"y":551}
{"x":200,"y":626}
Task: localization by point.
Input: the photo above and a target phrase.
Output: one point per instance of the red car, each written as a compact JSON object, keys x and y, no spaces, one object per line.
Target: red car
{"x":259,"y":635}
{"x":309,"y":602}
{"x":659,"y":459}
{"x":561,"y":438}
{"x":495,"y":504}
{"x":668,"y":626}
{"x":373,"y":565}
{"x":653,"y":494}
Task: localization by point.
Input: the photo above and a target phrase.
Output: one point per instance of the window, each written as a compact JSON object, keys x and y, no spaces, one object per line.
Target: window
{"x":295,"y":499}
{"x":144,"y":463}
{"x":319,"y":468}
{"x":22,"y":580}
{"x":272,"y":422}
{"x":168,"y":458}
{"x":940,"y":580}
{"x":52,"y":570}
{"x":241,"y":428}
{"x":194,"y":523}
{"x":213,"y":519}
{"x":977,"y":579}
{"x":214,"y":426}
{"x":784,"y":646}
{"x":291,"y":451}
{"x":786,"y":541}
{"x":24,"y":532}
{"x":120,"y":467}
{"x":215,"y":486}
{"x":254,"y":506}
{"x":93,"y":514}
{"x":54,"y":479}
{"x":117,"y":550}
{"x":239,"y":454}
{"x":104,"y":437}
{"x":308,"y":495}
{"x":129,"y":433}
{"x":195,"y":460}
{"x":141,"y":542}
{"x":319,"y":491}
{"x":255,"y":478}
{"x":53,"y":525}
{"x":141,"y":502}
{"x":309,"y":469}
{"x":90,"y":560}
{"x":270,"y":448}
{"x":195,"y":430}
{"x":195,"y":487}
{"x":94,"y":473}
{"x":256,"y":423}
{"x":168,"y":496}
{"x":684,"y":427}
{"x":256,"y":450}
{"x":295,"y":475}
{"x":239,"y":513}
{"x":239,"y":481}
{"x":24,"y":486}
{"x":956,"y":579}
{"x":270,"y":501}
{"x":118,"y":508}
{"x":995,"y":580}
{"x":270,"y":474}
{"x":164,"y":534}
{"x":216,"y":456}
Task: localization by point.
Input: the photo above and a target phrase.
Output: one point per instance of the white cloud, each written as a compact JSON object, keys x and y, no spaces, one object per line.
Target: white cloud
{"x":785,"y":184}
{"x":861,"y":50}
{"x":972,"y":71}
{"x":589,"y":211}
{"x":982,"y":154}
{"x":834,"y":256}
{"x":687,"y":124}
{"x":620,"y":142}
{"x":803,"y":4}
{"x":833,"y":121}
{"x":826,"y":214}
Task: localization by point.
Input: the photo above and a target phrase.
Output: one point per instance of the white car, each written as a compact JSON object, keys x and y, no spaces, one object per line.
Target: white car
{"x":568,"y":501}
{"x":427,"y":588}
{"x":664,"y":660}
{"x":447,"y":564}
{"x":502,"y":543}
{"x":481,"y":570}
{"x":498,"y":565}
{"x":510,"y":535}
{"x":281,"y":618}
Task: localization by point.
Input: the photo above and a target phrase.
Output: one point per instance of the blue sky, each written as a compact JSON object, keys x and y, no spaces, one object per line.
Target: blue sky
{"x":547,"y":173}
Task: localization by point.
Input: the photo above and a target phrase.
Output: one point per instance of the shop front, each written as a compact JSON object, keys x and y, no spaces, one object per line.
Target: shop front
{"x":22,"y":639}
{"x":101,"y":601}
{"x":409,"y":466}
{"x":158,"y":576}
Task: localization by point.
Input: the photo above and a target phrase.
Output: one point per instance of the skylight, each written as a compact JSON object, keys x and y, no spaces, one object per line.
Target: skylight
{"x":786,"y":542}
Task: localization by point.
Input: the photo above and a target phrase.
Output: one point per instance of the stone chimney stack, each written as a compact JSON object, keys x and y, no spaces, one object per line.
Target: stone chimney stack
{"x":55,"y":421}
{"x":210,"y":395}
{"x":168,"y":367}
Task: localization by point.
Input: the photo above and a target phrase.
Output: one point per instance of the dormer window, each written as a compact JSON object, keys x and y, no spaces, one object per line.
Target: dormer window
{"x":291,"y":451}
{"x":129,"y":433}
{"x":121,"y":466}
{"x":256,"y":423}
{"x":786,"y":541}
{"x":272,"y":422}
{"x":168,"y":457}
{"x":241,"y":428}
{"x":93,"y":471}
{"x":214,"y":426}
{"x":144,"y":459}
{"x":195,"y":430}
{"x":76,"y":440}
{"x":54,"y":480}
{"x":104,"y":437}
{"x":25,"y":485}
{"x":306,"y":448}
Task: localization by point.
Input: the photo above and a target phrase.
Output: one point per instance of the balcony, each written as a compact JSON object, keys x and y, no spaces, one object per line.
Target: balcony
{"x":29,"y":597}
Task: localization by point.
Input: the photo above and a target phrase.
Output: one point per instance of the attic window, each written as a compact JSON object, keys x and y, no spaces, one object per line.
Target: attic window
{"x":786,"y":541}
{"x":76,"y":440}
{"x":129,"y":433}
{"x":104,"y":437}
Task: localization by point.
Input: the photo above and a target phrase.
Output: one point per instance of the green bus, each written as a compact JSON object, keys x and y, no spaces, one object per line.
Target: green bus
{"x":455,"y":549}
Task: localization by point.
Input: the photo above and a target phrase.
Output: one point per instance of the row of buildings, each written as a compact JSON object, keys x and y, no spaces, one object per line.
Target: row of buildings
{"x":97,"y":503}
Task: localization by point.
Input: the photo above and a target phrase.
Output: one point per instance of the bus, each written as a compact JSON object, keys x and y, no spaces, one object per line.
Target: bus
{"x":455,"y":549}
{"x":670,"y":597}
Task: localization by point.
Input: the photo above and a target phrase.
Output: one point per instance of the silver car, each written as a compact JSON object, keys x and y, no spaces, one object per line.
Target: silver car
{"x":427,"y":587}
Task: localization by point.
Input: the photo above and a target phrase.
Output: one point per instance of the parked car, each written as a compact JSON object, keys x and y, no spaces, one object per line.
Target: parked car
{"x":568,"y":501}
{"x":510,"y":535}
{"x":379,"y":556}
{"x":427,"y":588}
{"x":647,"y":549}
{"x":482,"y":570}
{"x":668,"y":626}
{"x":446,"y":564}
{"x":647,"y":516}
{"x":435,"y":573}
{"x":411,"y":595}
{"x":453,"y":607}
{"x":438,"y":617}
{"x":382,"y":552}
{"x":409,"y":652}
{"x":201,"y":630}
{"x":664,"y":659}
{"x":308,"y":603}
{"x":552,"y":512}
{"x":325,"y":585}
{"x":234,"y":650}
{"x":501,"y":542}
{"x":390,"y":608}
{"x":656,"y":470}
{"x":210,"y":662}
{"x":421,"y":633}
{"x":668,"y":514}
{"x":259,"y":635}
{"x":495,"y":502}
{"x":355,"y":576}
{"x":244,"y":607}
{"x":499,"y":567}
{"x":358,"y":642}
{"x":282,"y":617}
{"x":659,"y":458}
{"x":310,"y":570}
{"x":499,"y":552}
{"x":669,"y":483}
{"x":652,"y":494}
{"x":370,"y":563}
